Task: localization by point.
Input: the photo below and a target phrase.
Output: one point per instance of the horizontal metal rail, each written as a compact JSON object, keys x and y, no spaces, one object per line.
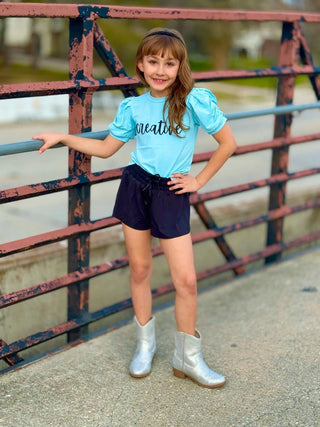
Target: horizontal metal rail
{"x":20,"y":90}
{"x":34,"y":145}
{"x":282,"y":109}
{"x":127,"y":12}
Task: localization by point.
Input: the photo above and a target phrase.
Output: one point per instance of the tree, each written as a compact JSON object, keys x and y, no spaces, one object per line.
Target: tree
{"x":215,"y":38}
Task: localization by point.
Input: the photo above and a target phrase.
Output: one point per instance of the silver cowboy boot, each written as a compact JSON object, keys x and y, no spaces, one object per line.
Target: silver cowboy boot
{"x":188,"y":362}
{"x":145,"y":350}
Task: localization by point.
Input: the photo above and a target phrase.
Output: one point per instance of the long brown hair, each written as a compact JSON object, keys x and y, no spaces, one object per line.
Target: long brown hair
{"x":165,"y":41}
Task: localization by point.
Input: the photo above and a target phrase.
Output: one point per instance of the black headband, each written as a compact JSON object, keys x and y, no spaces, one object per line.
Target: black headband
{"x":165,"y":33}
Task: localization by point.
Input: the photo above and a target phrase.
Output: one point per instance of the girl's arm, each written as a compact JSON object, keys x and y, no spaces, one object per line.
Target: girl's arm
{"x":92,"y":147}
{"x":188,"y":183}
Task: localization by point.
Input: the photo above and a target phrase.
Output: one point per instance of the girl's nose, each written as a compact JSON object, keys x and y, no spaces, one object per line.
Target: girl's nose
{"x":160,"y":69}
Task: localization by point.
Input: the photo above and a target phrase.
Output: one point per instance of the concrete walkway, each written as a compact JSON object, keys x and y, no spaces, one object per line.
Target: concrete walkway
{"x":261,"y":331}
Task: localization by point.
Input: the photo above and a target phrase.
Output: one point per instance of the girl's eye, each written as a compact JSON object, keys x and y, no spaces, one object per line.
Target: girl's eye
{"x":170,"y":64}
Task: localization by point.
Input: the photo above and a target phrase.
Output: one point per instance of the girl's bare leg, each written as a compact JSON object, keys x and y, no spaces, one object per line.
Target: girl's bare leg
{"x":179,"y":254}
{"x":187,"y":358}
{"x":138,"y":244}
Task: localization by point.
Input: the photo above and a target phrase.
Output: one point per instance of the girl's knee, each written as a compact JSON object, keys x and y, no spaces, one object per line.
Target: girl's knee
{"x":140,"y":270}
{"x":187,"y":285}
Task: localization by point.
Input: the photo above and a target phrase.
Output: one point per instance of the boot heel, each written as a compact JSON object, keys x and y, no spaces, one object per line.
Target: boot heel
{"x":179,"y":374}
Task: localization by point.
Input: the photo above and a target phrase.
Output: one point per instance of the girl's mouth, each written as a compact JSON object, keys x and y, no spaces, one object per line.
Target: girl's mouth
{"x":159,"y":81}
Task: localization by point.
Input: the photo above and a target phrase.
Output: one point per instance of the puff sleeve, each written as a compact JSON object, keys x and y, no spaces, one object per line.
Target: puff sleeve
{"x":123,"y":126}
{"x":204,"y":109}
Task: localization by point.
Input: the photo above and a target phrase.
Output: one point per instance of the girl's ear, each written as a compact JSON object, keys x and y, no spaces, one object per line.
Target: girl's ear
{"x":140,"y":66}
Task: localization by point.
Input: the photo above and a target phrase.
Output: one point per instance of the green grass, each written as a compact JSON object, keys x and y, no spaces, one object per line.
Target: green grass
{"x":18,"y":73}
{"x":200,"y":63}
{"x":243,"y":63}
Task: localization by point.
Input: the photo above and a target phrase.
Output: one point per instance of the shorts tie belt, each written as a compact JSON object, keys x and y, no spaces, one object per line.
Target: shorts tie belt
{"x":148,"y":182}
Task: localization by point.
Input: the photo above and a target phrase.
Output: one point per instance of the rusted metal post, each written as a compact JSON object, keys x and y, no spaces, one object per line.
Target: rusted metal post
{"x":80,"y":120}
{"x":306,"y":59}
{"x":282,"y":128}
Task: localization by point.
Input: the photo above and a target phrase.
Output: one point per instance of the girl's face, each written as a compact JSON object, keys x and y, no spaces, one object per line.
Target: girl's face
{"x":160,"y":72}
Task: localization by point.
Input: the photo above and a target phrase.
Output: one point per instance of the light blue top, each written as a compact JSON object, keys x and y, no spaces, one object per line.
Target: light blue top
{"x":158,"y":149}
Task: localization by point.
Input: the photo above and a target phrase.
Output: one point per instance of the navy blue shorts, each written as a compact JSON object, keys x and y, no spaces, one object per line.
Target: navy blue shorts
{"x":145,"y":202}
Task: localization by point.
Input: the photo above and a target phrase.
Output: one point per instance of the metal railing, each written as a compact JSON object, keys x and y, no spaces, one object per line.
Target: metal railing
{"x":85,"y":36}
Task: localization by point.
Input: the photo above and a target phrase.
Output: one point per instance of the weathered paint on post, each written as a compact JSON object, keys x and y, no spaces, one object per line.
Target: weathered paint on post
{"x":306,"y":58}
{"x":290,"y":43}
{"x":12,"y":358}
{"x":80,"y":120}
{"x":293,"y":44}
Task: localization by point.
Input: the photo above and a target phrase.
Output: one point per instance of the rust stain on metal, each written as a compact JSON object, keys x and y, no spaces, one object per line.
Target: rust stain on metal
{"x":288,"y":56}
{"x":251,"y":148}
{"x":128,"y":12}
{"x":20,"y":90}
{"x":35,"y":190}
{"x":55,"y":236}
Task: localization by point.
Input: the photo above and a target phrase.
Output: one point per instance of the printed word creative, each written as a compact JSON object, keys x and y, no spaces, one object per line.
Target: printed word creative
{"x":159,"y":128}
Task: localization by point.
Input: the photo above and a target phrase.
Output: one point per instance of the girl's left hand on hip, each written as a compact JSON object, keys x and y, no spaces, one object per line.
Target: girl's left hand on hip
{"x":181,"y":184}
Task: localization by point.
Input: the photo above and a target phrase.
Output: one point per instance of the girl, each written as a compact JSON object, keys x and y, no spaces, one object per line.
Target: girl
{"x":153,"y":197}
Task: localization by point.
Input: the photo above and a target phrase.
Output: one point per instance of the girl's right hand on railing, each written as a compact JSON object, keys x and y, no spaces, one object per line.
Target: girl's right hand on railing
{"x":49,"y":139}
